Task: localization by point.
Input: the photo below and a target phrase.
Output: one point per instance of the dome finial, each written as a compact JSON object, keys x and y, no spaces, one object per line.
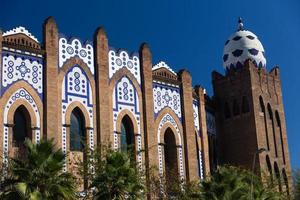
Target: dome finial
{"x":240,"y":24}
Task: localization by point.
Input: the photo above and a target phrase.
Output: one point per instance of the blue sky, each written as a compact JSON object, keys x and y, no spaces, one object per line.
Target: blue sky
{"x":186,"y":34}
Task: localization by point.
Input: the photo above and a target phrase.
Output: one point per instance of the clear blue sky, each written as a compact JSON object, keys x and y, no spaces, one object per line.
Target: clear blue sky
{"x":184,"y":33}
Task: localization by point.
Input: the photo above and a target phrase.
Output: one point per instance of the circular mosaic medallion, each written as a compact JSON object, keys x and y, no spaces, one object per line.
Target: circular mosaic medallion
{"x":70,"y":50}
{"x":82,"y":53}
{"x":119,"y":62}
{"x":129,"y":64}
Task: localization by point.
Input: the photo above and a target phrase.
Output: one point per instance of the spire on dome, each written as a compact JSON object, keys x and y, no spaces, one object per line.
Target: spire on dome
{"x":240,"y":24}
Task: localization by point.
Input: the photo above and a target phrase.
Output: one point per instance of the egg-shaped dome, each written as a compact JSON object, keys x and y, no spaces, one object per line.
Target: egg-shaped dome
{"x":243,"y":45}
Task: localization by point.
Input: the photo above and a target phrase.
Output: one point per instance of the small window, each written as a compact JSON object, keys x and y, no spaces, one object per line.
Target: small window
{"x":77,"y":131}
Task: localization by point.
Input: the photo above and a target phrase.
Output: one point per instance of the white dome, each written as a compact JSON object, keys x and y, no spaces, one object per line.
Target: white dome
{"x":243,"y":45}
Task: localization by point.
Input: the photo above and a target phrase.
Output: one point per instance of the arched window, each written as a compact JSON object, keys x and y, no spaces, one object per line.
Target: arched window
{"x":77,"y":131}
{"x":22,"y":126}
{"x":277,"y":173}
{"x":235,"y":108}
{"x":263,"y":110}
{"x":286,"y":182}
{"x":273,"y":128}
{"x":227,"y":113}
{"x":171,"y":165}
{"x":280,"y":132}
{"x":127,"y":136}
{"x":245,"y":105}
{"x":269,"y":165}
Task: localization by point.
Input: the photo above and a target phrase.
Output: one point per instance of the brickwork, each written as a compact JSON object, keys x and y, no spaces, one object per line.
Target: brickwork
{"x":107,"y":84}
{"x":250,"y":131}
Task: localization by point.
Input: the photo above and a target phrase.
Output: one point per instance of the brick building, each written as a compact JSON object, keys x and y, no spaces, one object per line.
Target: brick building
{"x":67,"y":89}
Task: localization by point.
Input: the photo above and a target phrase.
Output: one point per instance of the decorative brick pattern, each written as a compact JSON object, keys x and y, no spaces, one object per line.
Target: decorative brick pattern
{"x":120,"y":59}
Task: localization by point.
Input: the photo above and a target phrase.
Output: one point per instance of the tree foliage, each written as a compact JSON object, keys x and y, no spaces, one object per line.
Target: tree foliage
{"x":112,"y":175}
{"x":230,"y":183}
{"x":36,"y":174}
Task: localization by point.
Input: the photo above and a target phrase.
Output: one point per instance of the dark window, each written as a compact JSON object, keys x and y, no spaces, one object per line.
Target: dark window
{"x":269,"y":165}
{"x":77,"y":131}
{"x":127,"y":136}
{"x":227,"y":113}
{"x":245,"y":105}
{"x":263,"y":110}
{"x":277,"y":173}
{"x":273,"y":128}
{"x":286,"y":182}
{"x":171,"y":161}
{"x":281,"y":137}
{"x":21,"y":128}
{"x":236,"y":109}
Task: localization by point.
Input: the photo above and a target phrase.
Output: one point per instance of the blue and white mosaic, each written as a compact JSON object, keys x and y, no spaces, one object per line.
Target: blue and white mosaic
{"x":74,"y":47}
{"x":168,"y":119}
{"x":196,"y":115}
{"x":24,"y":95}
{"x":120,"y":59}
{"x":76,"y":87}
{"x":18,"y":67}
{"x":166,"y":96}
{"x":197,"y":127}
{"x":126,"y":97}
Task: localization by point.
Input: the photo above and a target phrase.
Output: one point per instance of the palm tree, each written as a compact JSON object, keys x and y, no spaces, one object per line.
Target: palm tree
{"x":38,"y":175}
{"x":296,"y":181}
{"x":116,"y":177}
{"x":230,"y":183}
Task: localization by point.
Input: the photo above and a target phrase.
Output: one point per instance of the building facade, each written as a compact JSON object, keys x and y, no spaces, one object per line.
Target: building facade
{"x":67,"y":89}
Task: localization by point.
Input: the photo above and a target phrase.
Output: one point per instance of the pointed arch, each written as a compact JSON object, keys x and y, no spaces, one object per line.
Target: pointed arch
{"x":26,"y":97}
{"x":77,"y":130}
{"x":278,"y":123}
{"x":269,"y":165}
{"x":277,"y":174}
{"x":286,"y":182}
{"x":82,"y":115}
{"x":271,"y":118}
{"x":170,"y":159}
{"x":127,"y":129}
{"x":126,"y":98}
{"x":72,"y":62}
{"x":263,"y":110}
{"x":127,"y":136}
{"x":166,"y":123}
{"x":22,"y":126}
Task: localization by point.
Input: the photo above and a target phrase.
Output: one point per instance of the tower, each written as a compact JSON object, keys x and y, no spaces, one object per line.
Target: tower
{"x":250,"y":114}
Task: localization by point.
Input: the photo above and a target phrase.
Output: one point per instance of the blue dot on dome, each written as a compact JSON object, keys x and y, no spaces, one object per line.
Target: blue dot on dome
{"x":250,"y":37}
{"x":253,"y":51}
{"x":237,"y":52}
{"x":225,"y":57}
{"x":236,"y":38}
